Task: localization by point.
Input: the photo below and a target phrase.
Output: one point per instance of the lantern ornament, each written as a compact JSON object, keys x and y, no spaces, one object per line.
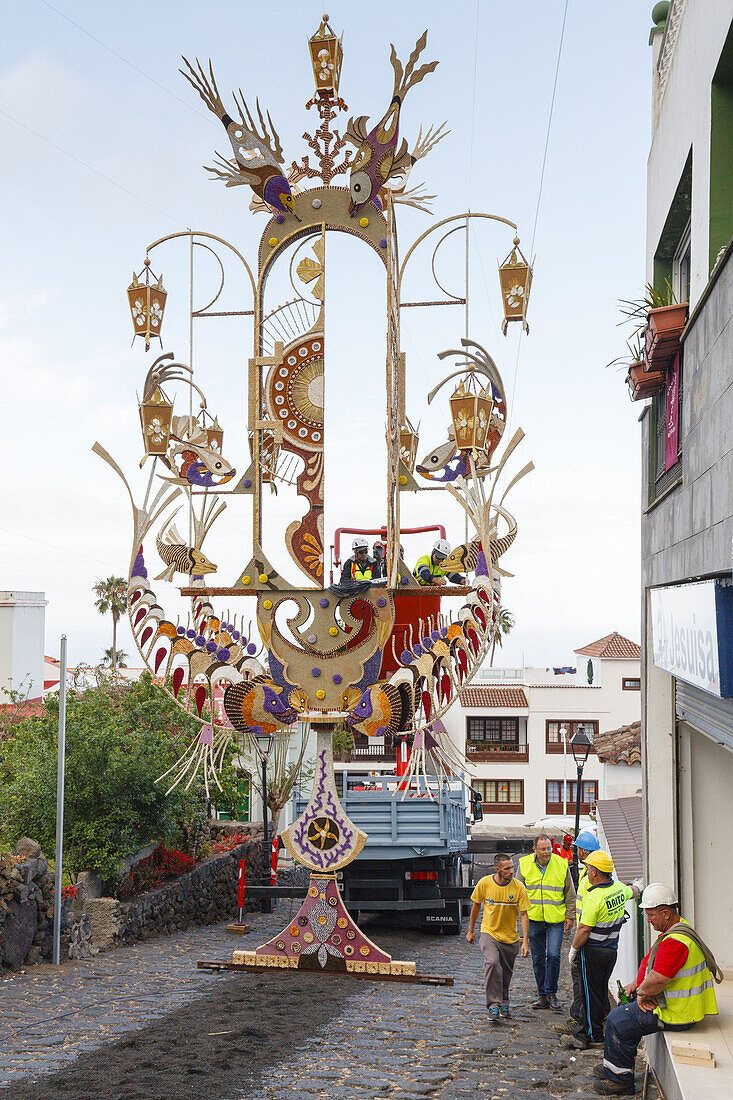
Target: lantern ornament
{"x":214,"y":432}
{"x":471,"y":415}
{"x":156,"y":414}
{"x":515,"y":277}
{"x":147,"y":303}
{"x":409,"y":439}
{"x":326,"y":57}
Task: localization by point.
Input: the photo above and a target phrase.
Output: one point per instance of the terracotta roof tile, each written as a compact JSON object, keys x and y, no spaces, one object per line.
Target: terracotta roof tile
{"x":614,"y":646}
{"x":623,"y":824}
{"x":621,"y":746}
{"x":507,"y":695}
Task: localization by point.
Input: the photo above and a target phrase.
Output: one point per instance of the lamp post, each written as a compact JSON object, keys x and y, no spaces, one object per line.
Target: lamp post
{"x":580,"y":745}
{"x":264,"y":743}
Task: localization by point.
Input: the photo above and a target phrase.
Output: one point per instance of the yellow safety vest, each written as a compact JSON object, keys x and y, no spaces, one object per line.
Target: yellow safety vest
{"x":360,"y":574}
{"x":582,"y":887}
{"x":435,"y":570}
{"x":545,"y":888}
{"x":690,"y":996}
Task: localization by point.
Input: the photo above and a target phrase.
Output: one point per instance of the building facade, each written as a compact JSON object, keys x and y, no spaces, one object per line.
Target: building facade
{"x":687,"y":500}
{"x":514,"y":726}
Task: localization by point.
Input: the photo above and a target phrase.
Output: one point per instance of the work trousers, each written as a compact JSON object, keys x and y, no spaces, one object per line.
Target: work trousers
{"x":499,"y":959}
{"x":577,"y":992}
{"x":625,"y":1027}
{"x":545,"y":945}
{"x":595,"y":965}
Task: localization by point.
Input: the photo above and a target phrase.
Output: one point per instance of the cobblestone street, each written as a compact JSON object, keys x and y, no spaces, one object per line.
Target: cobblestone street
{"x":142,"y":1022}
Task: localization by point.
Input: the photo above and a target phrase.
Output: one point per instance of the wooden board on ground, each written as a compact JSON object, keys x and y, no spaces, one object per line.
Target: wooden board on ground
{"x":419,"y":979}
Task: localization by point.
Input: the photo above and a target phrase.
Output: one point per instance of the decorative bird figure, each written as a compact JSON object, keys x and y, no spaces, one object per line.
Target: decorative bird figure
{"x":378,"y":158}
{"x":258,"y":154}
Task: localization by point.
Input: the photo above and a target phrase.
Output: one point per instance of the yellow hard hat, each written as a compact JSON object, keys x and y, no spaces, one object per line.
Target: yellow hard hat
{"x":600,"y":860}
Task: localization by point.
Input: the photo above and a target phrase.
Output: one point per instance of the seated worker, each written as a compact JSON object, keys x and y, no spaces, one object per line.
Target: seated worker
{"x":360,"y":567}
{"x":427,"y":568}
{"x":673,"y":989}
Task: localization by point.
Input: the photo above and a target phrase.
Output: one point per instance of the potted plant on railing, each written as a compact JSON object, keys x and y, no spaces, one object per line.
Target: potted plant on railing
{"x":661,"y":322}
{"x":642,"y":383}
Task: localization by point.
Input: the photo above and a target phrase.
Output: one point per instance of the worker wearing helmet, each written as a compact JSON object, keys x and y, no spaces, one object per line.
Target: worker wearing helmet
{"x":360,"y":567}
{"x":595,"y":945}
{"x":427,"y":568}
{"x":673,"y":990}
{"x":585,"y":843}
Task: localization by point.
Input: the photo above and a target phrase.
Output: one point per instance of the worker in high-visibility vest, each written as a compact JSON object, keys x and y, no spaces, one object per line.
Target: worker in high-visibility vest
{"x":595,"y":945}
{"x":360,"y":567}
{"x":551,"y":894}
{"x":673,"y":990}
{"x":585,"y":843}
{"x":428,"y":568}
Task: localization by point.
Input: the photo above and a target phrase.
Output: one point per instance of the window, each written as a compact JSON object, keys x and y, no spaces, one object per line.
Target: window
{"x":631,"y":683}
{"x":681,"y":266}
{"x":553,"y":740}
{"x":492,"y":730}
{"x":501,"y":796}
{"x":561,"y":795}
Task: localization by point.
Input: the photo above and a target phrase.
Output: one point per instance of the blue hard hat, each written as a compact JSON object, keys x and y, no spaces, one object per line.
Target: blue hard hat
{"x":587,"y":840}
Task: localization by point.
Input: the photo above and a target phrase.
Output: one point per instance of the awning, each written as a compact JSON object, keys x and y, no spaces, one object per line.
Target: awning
{"x":623,"y":824}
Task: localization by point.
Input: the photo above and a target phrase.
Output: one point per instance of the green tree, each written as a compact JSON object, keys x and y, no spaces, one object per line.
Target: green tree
{"x":114,"y":658}
{"x":119,"y":739}
{"x":111,"y":600}
{"x":503,"y":625}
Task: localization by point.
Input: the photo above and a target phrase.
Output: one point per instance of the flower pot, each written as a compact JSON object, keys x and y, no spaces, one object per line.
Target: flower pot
{"x":643,"y":383}
{"x":662,"y":335}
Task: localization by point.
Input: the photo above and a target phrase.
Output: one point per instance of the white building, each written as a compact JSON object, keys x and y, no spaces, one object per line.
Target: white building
{"x":509,"y":726}
{"x":22,"y":626}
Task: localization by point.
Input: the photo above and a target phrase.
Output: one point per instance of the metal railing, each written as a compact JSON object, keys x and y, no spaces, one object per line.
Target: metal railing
{"x":519,"y":748}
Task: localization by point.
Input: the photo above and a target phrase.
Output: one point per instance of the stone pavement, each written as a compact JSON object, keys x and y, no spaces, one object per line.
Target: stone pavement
{"x":378,"y":1039}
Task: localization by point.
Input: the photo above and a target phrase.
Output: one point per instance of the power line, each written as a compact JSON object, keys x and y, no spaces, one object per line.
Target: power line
{"x":126,"y":61}
{"x":89,"y":167}
{"x":55,"y":546}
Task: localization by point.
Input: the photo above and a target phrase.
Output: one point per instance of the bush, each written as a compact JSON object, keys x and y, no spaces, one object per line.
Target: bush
{"x":119,"y":738}
{"x":159,"y":867}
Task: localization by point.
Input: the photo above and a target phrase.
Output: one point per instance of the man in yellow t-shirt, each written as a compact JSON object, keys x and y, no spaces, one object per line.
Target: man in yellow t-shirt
{"x":504,"y":899}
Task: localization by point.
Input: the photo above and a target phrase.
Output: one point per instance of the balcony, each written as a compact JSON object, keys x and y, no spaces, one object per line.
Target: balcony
{"x":497,"y":752}
{"x":363,"y":752}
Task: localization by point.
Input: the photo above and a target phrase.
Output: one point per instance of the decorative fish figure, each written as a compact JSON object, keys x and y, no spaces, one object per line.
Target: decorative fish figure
{"x":255,"y":706}
{"x":378,"y":158}
{"x":179,"y":558}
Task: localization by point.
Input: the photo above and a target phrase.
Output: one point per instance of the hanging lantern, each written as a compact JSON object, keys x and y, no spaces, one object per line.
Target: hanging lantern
{"x":484,"y":407}
{"x":147,"y":302}
{"x":409,"y":440}
{"x":463,"y":414}
{"x":155,"y":417}
{"x":326,"y":57}
{"x":515,"y":277}
{"x":214,"y":435}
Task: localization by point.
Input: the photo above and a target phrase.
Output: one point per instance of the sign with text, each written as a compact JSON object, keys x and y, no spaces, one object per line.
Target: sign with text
{"x":692,"y":634}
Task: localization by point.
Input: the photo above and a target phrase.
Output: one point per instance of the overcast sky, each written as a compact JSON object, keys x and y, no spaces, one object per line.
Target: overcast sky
{"x":103,"y":147}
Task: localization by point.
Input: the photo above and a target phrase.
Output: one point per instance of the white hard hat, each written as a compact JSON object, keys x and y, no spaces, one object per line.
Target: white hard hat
{"x":656,"y":893}
{"x":441,"y":547}
{"x":360,"y":543}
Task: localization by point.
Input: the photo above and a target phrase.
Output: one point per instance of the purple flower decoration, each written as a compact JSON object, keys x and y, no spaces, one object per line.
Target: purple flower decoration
{"x":251,"y":648}
{"x":405,"y":656}
{"x":383,"y":242}
{"x":336,"y":678}
{"x":211,"y":647}
{"x":404,"y":580}
{"x":324,"y":602}
{"x":418,"y":651}
{"x":236,"y":635}
{"x":279,"y":218}
{"x":190,"y":633}
{"x":381,"y":602}
{"x":223,"y":654}
{"x":427,"y":642}
{"x":181,"y":630}
{"x":199,"y":640}
{"x":444,"y":631}
{"x":315,"y":672}
{"x":247,"y":483}
{"x":435,"y":635}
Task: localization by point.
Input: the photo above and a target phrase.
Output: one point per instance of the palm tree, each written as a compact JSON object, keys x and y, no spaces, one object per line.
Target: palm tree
{"x":503,"y":624}
{"x":119,"y":656}
{"x":111,"y":600}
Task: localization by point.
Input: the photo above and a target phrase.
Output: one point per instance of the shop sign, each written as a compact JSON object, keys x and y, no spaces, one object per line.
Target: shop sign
{"x":692,"y":634}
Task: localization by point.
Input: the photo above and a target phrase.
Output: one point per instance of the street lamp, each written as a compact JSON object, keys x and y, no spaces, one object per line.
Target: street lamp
{"x":580,"y":744}
{"x":264,"y":744}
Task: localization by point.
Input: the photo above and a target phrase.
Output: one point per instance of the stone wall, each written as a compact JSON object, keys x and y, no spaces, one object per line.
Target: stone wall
{"x":26,"y":912}
{"x":206,"y":895}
